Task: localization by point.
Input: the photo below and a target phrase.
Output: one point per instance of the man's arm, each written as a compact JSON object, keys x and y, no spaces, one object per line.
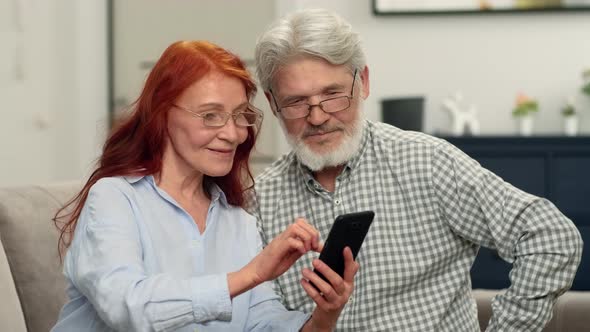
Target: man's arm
{"x":253,"y":208}
{"x":544,"y":246}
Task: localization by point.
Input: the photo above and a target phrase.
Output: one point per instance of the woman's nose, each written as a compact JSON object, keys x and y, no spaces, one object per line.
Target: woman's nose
{"x":230,"y":131}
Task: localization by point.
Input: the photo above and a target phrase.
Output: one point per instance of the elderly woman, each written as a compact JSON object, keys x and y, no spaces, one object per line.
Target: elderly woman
{"x":157,"y":238}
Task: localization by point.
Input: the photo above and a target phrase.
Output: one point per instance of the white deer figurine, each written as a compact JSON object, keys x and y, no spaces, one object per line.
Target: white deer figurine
{"x":461,"y":118}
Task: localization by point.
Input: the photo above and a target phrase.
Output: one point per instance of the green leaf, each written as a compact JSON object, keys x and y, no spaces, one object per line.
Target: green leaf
{"x":568,"y":110}
{"x":526,"y":108}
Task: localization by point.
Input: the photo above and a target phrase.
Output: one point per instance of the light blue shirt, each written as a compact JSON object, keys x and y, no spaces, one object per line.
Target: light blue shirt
{"x":139,"y":263}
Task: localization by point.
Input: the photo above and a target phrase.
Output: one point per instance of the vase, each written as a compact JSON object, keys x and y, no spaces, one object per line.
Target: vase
{"x":570,"y":125}
{"x":525,"y":125}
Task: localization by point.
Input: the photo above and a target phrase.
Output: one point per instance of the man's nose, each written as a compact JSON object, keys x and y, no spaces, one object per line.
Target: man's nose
{"x":317,"y":116}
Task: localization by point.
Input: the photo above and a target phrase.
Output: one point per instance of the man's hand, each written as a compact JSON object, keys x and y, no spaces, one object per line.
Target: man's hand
{"x":331,"y":297}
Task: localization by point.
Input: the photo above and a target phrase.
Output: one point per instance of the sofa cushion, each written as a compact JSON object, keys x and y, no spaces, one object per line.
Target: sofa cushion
{"x":30,"y":238}
{"x":571,"y":312}
{"x":11,"y":314}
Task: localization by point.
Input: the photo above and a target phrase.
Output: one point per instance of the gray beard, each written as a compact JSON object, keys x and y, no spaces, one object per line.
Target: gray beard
{"x":339,"y":156}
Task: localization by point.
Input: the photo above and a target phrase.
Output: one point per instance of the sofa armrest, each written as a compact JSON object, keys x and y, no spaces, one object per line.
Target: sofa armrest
{"x":571,"y":313}
{"x":29,"y":239}
{"x":11,"y":314}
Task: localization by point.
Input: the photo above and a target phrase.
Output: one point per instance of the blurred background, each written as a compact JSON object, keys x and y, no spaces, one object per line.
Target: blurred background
{"x":68,"y":67}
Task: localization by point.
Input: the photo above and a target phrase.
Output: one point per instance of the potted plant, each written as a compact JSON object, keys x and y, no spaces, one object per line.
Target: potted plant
{"x":586,"y":85}
{"x":523,"y":110}
{"x":570,"y":118}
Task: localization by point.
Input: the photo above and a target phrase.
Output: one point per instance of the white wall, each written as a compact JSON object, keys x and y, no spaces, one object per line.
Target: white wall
{"x":53,"y":87}
{"x":53,"y":72}
{"x":489,"y":57}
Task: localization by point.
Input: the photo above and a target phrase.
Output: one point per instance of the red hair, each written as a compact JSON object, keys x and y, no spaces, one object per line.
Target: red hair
{"x":136,"y":145}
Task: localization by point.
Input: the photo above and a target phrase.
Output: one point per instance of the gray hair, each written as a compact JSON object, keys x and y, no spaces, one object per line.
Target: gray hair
{"x":311,"y":32}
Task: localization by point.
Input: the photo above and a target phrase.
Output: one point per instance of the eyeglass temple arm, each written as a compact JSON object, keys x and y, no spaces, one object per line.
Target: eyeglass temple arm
{"x":275,"y":100}
{"x":353,"y":81}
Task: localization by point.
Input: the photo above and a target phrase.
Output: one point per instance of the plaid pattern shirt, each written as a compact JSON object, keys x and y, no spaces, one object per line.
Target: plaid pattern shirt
{"x":434,"y":206}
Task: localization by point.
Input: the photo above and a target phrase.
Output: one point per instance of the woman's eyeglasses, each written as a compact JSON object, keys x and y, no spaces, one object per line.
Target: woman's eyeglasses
{"x":248,"y":118}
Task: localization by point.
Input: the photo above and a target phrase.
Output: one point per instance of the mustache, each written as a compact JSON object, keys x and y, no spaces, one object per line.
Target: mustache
{"x":324,"y":128}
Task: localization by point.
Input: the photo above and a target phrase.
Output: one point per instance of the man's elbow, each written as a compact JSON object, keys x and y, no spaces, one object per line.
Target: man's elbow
{"x":578,"y":244}
{"x":573,"y":244}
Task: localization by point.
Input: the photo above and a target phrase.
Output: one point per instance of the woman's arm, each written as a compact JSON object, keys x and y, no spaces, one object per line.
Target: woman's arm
{"x":276,"y":258}
{"x":106,"y":264}
{"x":267,"y":313}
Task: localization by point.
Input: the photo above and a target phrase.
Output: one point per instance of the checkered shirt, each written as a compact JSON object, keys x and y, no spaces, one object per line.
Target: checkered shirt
{"x":434,"y":206}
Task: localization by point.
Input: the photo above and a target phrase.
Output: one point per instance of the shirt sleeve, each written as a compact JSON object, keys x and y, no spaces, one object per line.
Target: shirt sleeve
{"x":105,"y":264}
{"x":267,"y":313}
{"x":253,"y":208}
{"x":544,"y":246}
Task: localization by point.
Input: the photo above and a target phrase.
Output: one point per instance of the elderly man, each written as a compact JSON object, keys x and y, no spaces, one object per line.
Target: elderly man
{"x":434,"y":206}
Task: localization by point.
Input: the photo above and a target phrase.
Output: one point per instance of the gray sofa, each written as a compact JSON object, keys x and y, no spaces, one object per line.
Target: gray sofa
{"x":32,"y":288}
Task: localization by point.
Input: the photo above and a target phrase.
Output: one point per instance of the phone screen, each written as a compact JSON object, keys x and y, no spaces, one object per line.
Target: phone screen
{"x":348,"y":230}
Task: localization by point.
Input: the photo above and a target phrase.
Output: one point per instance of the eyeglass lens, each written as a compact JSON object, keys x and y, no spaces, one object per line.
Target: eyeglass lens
{"x":219,"y":119}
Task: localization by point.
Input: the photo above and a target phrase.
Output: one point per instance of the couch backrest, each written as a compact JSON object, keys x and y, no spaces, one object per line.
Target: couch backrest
{"x":30,"y":238}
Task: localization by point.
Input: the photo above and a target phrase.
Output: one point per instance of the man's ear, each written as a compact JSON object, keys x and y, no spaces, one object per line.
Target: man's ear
{"x":365,"y":82}
{"x":270,"y":102}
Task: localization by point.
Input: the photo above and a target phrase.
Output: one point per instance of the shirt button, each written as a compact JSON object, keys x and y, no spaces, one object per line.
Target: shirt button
{"x":337,"y":202}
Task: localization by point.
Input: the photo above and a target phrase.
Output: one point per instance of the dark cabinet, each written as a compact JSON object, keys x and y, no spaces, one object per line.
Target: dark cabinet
{"x":557,"y":168}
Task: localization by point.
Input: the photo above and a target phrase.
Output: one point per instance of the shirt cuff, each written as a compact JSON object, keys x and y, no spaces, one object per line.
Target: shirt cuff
{"x":210,"y":297}
{"x":299,"y":320}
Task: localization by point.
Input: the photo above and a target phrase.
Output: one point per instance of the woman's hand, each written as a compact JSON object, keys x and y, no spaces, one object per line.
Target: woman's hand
{"x":330,"y":298}
{"x":276,"y":258}
{"x":284,"y":250}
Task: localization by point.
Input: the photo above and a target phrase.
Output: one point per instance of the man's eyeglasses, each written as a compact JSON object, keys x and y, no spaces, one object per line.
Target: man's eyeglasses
{"x":251,"y":117}
{"x":330,"y":105}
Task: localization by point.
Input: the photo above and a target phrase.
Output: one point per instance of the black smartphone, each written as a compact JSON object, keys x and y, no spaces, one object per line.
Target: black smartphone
{"x":348,"y":230}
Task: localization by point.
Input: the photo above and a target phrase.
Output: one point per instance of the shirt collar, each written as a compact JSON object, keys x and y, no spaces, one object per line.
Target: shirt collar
{"x":216,"y":193}
{"x":355,"y":160}
{"x":133,"y":178}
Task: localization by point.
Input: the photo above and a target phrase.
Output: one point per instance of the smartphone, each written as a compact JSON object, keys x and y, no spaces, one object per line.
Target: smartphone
{"x":348,"y":230}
